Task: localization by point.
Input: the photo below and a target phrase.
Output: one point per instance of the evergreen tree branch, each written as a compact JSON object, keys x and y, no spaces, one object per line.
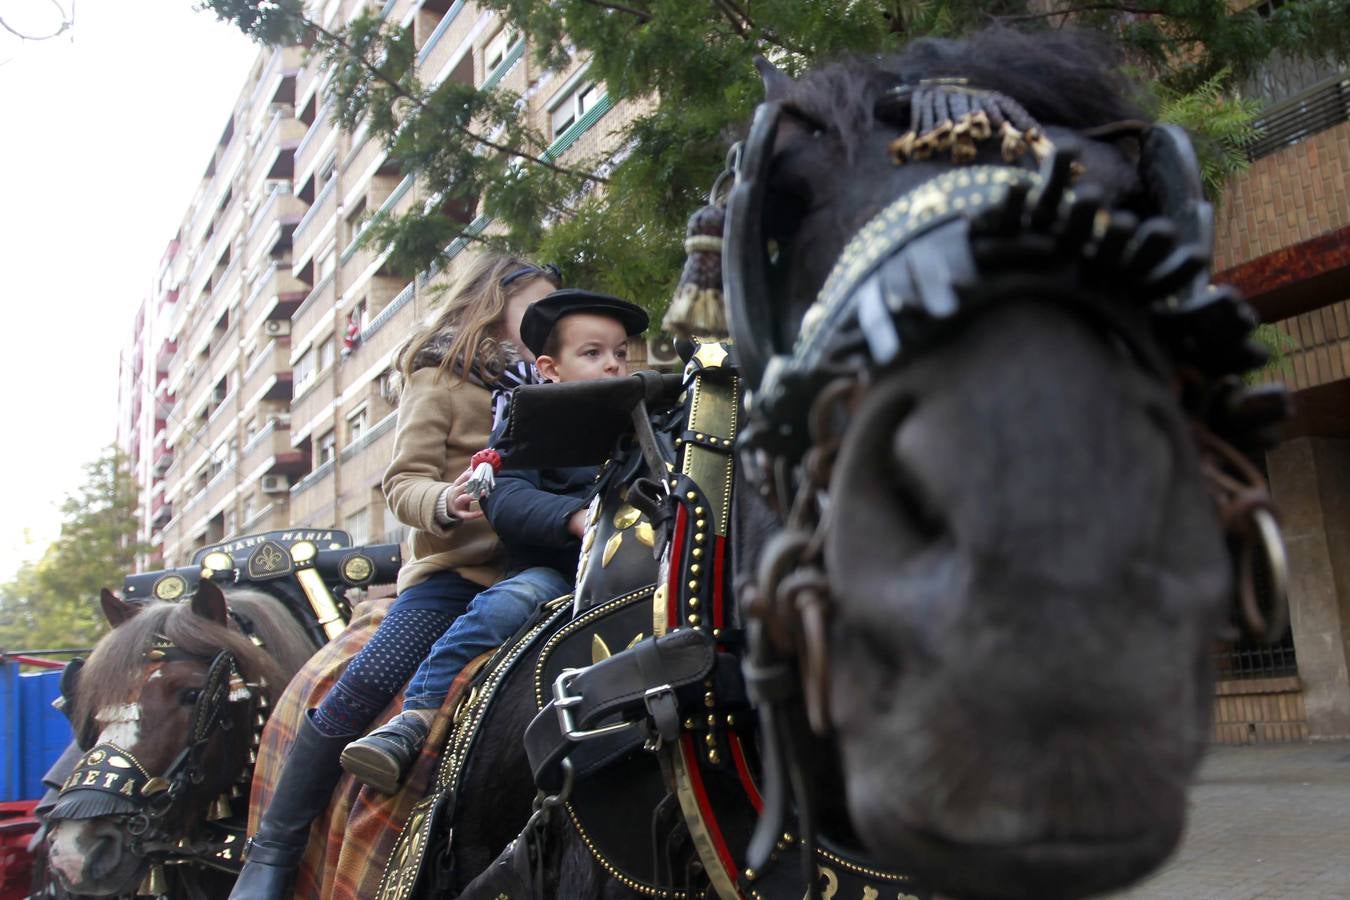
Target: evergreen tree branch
{"x":641,"y":15}
{"x":1070,"y":10}
{"x":401,"y":91}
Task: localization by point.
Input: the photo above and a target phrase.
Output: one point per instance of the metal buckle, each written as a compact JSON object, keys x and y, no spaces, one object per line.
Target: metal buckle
{"x":563,"y":703}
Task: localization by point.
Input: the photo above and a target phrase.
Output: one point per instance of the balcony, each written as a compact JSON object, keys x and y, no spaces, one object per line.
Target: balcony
{"x":445,"y":39}
{"x":312,"y":406}
{"x":166,"y":353}
{"x":274,"y":156}
{"x":275,"y":296}
{"x":1319,"y":108}
{"x":266,"y":447}
{"x":316,"y":144}
{"x":273,"y":223}
{"x":316,"y":224}
{"x":316,"y":310}
{"x":391,"y":325}
{"x":161,"y":513}
{"x":272,"y":359}
{"x":162,"y":457}
{"x":164,"y":402}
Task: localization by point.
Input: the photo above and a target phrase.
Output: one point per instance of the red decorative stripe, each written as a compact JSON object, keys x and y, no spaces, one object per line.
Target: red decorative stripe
{"x":676,"y":577}
{"x":705,"y":808}
{"x":719,"y":577}
{"x":743,"y":770}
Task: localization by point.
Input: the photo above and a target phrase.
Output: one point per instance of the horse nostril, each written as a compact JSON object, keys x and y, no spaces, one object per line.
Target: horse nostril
{"x":104,"y":857}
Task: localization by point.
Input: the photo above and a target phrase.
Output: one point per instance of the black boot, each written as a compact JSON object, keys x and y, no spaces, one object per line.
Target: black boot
{"x":382,"y":758}
{"x":302,"y":793}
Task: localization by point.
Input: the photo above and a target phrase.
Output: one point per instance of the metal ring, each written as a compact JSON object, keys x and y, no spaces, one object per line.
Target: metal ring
{"x":1267,"y":533}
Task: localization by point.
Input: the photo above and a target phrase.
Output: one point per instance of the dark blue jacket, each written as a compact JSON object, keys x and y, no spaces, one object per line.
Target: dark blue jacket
{"x":529,"y":509}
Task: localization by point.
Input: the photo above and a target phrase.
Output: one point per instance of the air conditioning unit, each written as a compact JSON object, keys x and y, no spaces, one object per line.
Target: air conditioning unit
{"x":274,"y":484}
{"x":661,"y":352}
{"x":277,"y":327}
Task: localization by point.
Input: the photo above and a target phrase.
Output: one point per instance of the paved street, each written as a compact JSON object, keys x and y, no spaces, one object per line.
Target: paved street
{"x":1266,"y":822}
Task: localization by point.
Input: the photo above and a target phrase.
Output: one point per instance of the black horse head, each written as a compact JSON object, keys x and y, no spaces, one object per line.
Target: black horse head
{"x":967,"y":286}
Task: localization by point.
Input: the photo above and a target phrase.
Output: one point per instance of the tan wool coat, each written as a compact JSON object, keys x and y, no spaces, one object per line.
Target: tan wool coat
{"x":441,"y":423}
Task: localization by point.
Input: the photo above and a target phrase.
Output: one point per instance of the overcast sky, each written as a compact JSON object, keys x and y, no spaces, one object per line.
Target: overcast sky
{"x":106,"y":132}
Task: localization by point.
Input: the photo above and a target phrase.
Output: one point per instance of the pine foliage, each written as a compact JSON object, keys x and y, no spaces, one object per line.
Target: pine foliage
{"x":617,"y":223}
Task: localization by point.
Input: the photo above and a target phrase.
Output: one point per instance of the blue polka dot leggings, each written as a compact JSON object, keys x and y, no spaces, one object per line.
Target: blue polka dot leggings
{"x":419,"y":616}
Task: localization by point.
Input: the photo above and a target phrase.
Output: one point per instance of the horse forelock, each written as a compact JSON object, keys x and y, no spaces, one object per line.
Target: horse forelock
{"x":113,"y":674}
{"x":1063,"y":78}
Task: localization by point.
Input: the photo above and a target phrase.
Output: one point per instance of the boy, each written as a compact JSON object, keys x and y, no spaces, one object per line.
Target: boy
{"x":539,"y":515}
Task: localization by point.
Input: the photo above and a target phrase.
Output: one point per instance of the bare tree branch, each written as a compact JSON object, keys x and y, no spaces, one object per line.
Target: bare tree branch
{"x":67,"y":23}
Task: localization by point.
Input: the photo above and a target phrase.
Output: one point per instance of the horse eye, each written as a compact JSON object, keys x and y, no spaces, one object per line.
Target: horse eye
{"x":189,"y":696}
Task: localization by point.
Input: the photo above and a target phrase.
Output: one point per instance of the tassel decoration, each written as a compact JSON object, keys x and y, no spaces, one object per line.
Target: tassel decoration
{"x":697,"y":308}
{"x":486,"y":464}
{"x":948,"y":116}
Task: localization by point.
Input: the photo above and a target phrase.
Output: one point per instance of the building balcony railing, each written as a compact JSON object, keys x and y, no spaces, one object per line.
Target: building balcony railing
{"x":510,"y":59}
{"x":259,"y":521}
{"x":322,"y":473}
{"x":379,"y":430}
{"x":1321,"y":107}
{"x":312,"y":400}
{"x":161,"y":516}
{"x":439,"y":32}
{"x":275,"y":296}
{"x":321,"y":213}
{"x":163,"y":458}
{"x":273,"y":358}
{"x":307,"y":151}
{"x":400,"y":190}
{"x":317,"y":303}
{"x":165,"y":355}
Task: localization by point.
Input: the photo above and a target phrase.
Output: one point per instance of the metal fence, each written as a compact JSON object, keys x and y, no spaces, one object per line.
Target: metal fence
{"x":1322,"y":106}
{"x":1248,"y":658}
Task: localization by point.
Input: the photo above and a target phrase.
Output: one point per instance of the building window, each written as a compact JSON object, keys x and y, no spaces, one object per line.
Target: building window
{"x":575,"y":104}
{"x":327,"y":352}
{"x":250,"y":507}
{"x":497,"y":48}
{"x":356,"y":426}
{"x":325,"y":448}
{"x":358,"y":526}
{"x":304,"y":369}
{"x":326,"y":264}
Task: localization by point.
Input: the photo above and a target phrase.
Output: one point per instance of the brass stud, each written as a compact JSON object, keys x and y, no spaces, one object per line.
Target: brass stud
{"x":695,"y":569}
{"x":751,"y":875}
{"x":717,"y":632}
{"x":698,"y":538}
{"x":701,"y":524}
{"x":731,"y":721}
{"x":712,"y":721}
{"x":693,"y":584}
{"x":710,"y":740}
{"x":714,"y":757}
{"x":698,"y":510}
{"x":693,"y":619}
{"x":693,"y":603}
{"x":709,"y":699}
{"x":691,"y":496}
{"x":698,"y":437}
{"x":688,"y":724}
{"x":697,"y":553}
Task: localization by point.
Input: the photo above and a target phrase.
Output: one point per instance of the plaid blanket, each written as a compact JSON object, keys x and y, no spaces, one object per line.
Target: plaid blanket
{"x":349,"y":846}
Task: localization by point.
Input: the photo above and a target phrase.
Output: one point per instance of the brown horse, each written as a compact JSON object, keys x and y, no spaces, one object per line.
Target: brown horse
{"x":166,"y":709}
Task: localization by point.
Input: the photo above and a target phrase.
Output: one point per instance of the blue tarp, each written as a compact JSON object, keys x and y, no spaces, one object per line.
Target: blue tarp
{"x":34,"y":733}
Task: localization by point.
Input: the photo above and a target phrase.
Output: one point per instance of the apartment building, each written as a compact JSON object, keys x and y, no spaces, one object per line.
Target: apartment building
{"x":1283,"y":237}
{"x":256,"y":390}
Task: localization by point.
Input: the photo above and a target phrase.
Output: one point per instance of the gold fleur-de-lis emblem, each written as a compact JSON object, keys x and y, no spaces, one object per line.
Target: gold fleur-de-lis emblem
{"x":269,"y":558}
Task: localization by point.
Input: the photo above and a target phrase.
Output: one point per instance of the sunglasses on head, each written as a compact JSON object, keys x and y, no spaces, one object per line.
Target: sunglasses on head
{"x":547,"y":269}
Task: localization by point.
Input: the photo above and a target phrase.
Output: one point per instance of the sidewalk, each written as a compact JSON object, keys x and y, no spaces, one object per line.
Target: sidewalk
{"x":1266,"y":822}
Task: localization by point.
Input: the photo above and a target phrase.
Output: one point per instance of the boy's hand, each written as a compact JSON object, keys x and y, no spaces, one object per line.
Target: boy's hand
{"x":576,"y":523}
{"x":462,"y":505}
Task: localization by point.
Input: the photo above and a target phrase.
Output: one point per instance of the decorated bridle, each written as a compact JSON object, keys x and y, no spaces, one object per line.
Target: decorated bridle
{"x":950,"y":247}
{"x":109,"y":781}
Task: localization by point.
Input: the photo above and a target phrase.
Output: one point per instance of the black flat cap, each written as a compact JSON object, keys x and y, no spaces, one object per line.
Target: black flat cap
{"x":543,"y":314}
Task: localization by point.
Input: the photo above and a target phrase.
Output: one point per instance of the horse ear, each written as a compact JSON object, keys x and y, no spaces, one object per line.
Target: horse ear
{"x":209,"y":602}
{"x":776,"y":81}
{"x":115,"y":609}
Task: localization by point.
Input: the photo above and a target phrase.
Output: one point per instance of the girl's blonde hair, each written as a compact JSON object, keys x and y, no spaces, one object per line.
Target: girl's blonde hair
{"x":470,"y":313}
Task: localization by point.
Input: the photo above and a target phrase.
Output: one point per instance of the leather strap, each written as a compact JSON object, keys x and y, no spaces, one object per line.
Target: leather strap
{"x":652,"y":683}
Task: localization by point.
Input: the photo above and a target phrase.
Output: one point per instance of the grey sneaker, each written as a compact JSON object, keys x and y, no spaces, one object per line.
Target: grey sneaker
{"x":382,"y":758}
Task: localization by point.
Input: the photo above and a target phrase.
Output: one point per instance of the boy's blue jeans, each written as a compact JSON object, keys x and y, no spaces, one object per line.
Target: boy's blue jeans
{"x":493,"y":616}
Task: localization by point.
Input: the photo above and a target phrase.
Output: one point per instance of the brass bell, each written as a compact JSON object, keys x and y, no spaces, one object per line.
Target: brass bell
{"x":155,"y":883}
{"x":220,"y":809}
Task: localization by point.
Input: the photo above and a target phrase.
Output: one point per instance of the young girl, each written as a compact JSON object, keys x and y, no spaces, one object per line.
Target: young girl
{"x":449,"y":368}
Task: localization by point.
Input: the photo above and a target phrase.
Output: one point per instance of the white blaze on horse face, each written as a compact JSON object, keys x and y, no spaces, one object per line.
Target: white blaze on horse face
{"x":121,"y":724}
